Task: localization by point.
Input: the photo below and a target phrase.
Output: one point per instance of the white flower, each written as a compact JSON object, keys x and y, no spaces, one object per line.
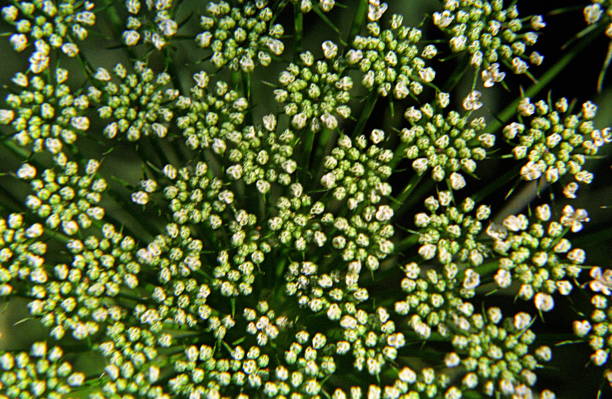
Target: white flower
{"x":521,"y":320}
{"x":537,"y":22}
{"x":6,"y":116}
{"x":19,"y":41}
{"x":492,"y":75}
{"x":39,"y":61}
{"x":70,"y":49}
{"x":543,"y":302}
{"x":532,"y":170}
{"x":519,"y":66}
{"x":503,"y":278}
{"x":457,"y":181}
{"x":592,"y":13}
{"x":472,"y":101}
{"x":26,"y":172}
{"x":376,"y":10}
{"x":602,"y":281}
{"x":131,"y":37}
{"x":574,"y":218}
{"x":443,"y":19}
{"x":330,"y":49}
{"x":525,"y":107}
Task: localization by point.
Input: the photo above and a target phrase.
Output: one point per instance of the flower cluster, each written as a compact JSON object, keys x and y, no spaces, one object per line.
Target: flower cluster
{"x":136,"y":106}
{"x":491,"y":34}
{"x":49,"y":25}
{"x":210,"y":117}
{"x":315,"y":93}
{"x":431,"y":299}
{"x":597,"y":330}
{"x":494,"y":353}
{"x":44,"y":113}
{"x":391,"y":60}
{"x":65,"y":200}
{"x":225,"y":236}
{"x":154,"y":23}
{"x":40,"y":373}
{"x":242,"y":35}
{"x":21,"y":252}
{"x":448,"y":144}
{"x":555,"y":142}
{"x":536,"y":253}
{"x":450,"y":234}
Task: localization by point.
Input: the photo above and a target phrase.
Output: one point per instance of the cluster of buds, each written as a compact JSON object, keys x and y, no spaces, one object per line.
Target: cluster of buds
{"x":431,"y":299}
{"x":391,"y":61}
{"x":204,"y":373}
{"x":138,"y":105}
{"x":491,"y":34}
{"x":554,"y":142}
{"x":358,"y":171}
{"x":210,"y":116}
{"x":49,"y":25}
{"x":447,"y":144}
{"x":21,"y":253}
{"x":494,"y":353}
{"x":154,"y":23}
{"x":597,"y":330}
{"x":259,"y":155}
{"x":264,"y":323}
{"x":536,"y":253}
{"x":450,"y":234}
{"x":296,"y":220}
{"x":66,"y":200}
{"x":72,"y":297}
{"x":316,"y":92}
{"x":241,"y":36}
{"x":131,"y":370}
{"x":45,"y":115}
{"x":40,"y":373}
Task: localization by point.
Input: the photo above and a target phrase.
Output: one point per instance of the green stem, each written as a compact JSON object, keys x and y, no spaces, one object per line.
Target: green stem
{"x":412,"y":184}
{"x":604,"y":68}
{"x":496,"y":184}
{"x":366,"y":111}
{"x":298,"y":24}
{"x":487,"y":268}
{"x":358,"y":20}
{"x":407,"y":243}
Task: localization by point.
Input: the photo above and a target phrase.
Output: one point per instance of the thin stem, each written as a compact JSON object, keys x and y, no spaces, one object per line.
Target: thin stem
{"x":401,"y":198}
{"x":358,"y":20}
{"x":298,"y":25}
{"x":366,"y":111}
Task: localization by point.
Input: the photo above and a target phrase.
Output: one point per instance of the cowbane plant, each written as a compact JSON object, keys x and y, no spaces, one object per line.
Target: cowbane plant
{"x":304,"y":199}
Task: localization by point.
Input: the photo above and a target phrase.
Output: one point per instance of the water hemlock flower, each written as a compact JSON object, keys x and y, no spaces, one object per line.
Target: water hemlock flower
{"x":294,"y":199}
{"x":491,"y":34}
{"x":241,"y":36}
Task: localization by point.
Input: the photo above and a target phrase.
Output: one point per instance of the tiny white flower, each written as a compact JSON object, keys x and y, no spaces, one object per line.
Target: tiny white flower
{"x":6,"y":116}
{"x":543,"y":302}
{"x":376,"y":10}
{"x":330,"y":49}
{"x":131,"y":37}
{"x":39,"y":61}
{"x":472,"y":101}
{"x":19,"y":41}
